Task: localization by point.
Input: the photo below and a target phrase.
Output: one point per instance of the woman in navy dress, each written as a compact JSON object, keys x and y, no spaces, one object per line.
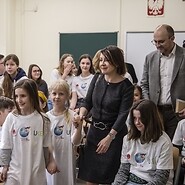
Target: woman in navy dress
{"x":109,"y":98}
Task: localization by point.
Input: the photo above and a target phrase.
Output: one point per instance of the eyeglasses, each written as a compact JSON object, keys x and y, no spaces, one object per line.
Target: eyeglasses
{"x":160,"y":42}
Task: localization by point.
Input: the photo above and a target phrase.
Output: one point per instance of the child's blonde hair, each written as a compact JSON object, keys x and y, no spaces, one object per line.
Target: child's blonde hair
{"x":62,"y":85}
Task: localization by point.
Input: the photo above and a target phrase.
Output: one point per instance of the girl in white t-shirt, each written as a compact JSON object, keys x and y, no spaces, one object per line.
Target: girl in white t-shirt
{"x":179,"y":142}
{"x":64,"y":70}
{"x":147,"y":156}
{"x":25,"y":138}
{"x":82,"y":81}
{"x":65,"y":133}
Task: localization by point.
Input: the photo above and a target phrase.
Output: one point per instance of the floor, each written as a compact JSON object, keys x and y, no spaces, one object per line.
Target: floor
{"x":80,"y":182}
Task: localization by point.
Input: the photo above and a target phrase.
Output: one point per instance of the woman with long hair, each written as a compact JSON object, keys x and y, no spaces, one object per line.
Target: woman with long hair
{"x":82,"y":81}
{"x":35,"y":73}
{"x":13,"y":73}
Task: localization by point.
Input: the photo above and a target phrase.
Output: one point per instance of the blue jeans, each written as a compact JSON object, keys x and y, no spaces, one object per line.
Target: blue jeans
{"x":50,"y":104}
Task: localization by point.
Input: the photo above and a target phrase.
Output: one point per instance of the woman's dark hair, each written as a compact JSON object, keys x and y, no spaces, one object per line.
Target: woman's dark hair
{"x":30,"y":87}
{"x":91,"y":70}
{"x":151,"y":120}
{"x":30,"y":72}
{"x":7,"y":82}
{"x":114,"y":55}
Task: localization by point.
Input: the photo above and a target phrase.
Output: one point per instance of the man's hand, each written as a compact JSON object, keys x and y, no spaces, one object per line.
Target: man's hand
{"x":182,"y":113}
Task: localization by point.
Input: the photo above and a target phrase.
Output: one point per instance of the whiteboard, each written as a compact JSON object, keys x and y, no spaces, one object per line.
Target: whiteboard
{"x":138,"y":45}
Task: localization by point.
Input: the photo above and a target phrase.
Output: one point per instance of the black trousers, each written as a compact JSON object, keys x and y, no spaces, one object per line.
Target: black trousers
{"x":170,"y":119}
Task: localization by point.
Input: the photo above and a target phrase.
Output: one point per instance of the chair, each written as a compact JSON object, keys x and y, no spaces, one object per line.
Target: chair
{"x":177,"y":158}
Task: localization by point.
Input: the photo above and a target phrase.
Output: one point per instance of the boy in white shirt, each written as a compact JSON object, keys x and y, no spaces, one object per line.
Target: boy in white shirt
{"x":6,"y":106}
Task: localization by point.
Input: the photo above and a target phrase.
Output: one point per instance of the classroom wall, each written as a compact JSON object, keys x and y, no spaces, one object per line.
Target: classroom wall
{"x":30,"y":28}
{"x":7,"y":25}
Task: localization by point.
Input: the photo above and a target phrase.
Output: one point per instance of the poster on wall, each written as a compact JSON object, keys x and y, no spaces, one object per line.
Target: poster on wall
{"x":155,"y":8}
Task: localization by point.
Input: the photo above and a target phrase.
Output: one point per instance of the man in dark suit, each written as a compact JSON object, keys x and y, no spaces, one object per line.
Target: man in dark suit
{"x":163,"y":79}
{"x":131,"y":71}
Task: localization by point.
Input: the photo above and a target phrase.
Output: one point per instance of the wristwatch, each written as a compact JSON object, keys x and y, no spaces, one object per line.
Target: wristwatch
{"x":112,"y":136}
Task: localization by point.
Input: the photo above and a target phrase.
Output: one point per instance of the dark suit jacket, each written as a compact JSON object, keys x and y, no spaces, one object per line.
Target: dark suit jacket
{"x":131,"y":71}
{"x":150,"y":82}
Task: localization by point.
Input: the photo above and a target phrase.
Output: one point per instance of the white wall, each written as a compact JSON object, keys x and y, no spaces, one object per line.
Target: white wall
{"x":7,"y":26}
{"x":44,"y":19}
{"x":30,"y":28}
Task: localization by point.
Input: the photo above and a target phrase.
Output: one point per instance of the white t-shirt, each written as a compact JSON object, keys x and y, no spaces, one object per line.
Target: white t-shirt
{"x":62,"y":138}
{"x":179,"y":136}
{"x":146,"y":158}
{"x":26,"y":136}
{"x":81,"y":84}
{"x":55,"y":75}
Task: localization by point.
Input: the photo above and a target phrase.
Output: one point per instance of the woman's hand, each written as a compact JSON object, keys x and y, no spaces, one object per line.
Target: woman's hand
{"x":67,"y":70}
{"x":103,"y":145}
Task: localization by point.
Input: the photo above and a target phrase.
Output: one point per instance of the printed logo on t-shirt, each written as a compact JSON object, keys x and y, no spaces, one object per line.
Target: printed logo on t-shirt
{"x":58,"y":131}
{"x":24,"y":132}
{"x":83,"y":86}
{"x":140,"y":157}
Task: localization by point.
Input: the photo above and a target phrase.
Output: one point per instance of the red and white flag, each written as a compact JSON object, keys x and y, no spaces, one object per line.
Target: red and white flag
{"x":155,"y":7}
